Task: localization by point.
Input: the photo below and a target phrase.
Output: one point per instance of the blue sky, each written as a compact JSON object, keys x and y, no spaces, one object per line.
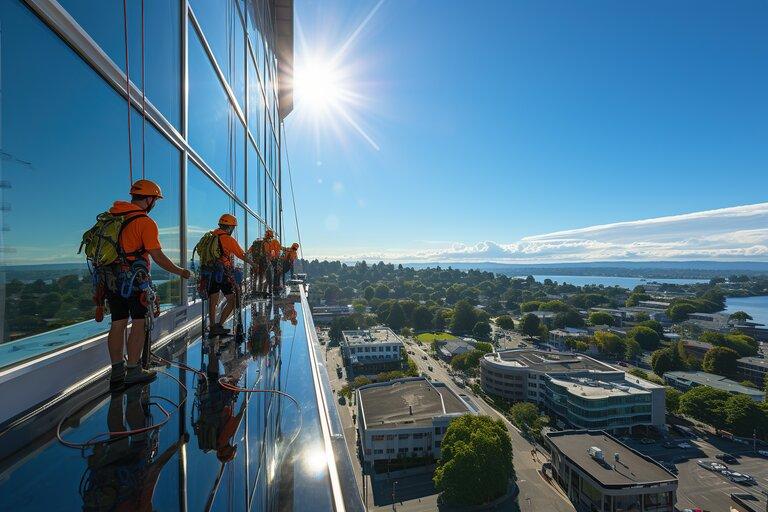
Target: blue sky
{"x":466,"y":134}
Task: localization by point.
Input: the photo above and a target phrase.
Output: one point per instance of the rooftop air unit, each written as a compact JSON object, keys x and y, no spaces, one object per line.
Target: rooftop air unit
{"x":596,"y":453}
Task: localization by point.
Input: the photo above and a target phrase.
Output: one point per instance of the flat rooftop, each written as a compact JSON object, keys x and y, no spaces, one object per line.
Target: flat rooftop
{"x":407,"y":402}
{"x":595,"y":388}
{"x":546,"y":362}
{"x":632,"y":468}
{"x":715,"y":381}
{"x":763,"y":363}
{"x":371,"y":336}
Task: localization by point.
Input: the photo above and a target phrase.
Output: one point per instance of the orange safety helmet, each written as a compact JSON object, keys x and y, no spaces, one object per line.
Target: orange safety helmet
{"x":228,"y":220}
{"x":295,"y":246}
{"x":269,"y":234}
{"x":146,"y":188}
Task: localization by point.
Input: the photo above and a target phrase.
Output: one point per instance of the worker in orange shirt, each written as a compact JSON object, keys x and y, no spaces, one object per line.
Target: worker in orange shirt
{"x":217,"y":250}
{"x":264,"y":252}
{"x":273,"y":248}
{"x":287,"y":259}
{"x":138,"y":240}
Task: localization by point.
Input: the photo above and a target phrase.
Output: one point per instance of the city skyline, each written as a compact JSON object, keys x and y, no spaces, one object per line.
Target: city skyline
{"x":422,"y":133}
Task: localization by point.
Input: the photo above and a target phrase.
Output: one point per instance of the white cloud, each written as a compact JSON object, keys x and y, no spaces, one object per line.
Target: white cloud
{"x":736,"y":233}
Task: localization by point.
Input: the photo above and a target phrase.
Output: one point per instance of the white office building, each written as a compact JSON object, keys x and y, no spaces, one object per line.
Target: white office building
{"x":405,"y":418}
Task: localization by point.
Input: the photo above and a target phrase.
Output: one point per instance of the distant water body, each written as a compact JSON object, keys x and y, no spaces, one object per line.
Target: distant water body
{"x":757,"y":307}
{"x":624,"y":282}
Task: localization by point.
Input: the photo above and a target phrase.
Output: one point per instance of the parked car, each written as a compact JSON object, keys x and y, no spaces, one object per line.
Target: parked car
{"x":684,"y":445}
{"x":727,"y":457}
{"x":736,"y":477}
{"x":764,"y":453}
{"x":712,"y":466}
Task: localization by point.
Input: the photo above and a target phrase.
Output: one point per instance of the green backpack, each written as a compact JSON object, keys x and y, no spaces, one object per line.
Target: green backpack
{"x":208,"y":248}
{"x":102,"y":241}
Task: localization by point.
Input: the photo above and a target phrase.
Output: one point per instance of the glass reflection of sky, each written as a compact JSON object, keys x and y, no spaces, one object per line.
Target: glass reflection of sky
{"x":265,"y":470}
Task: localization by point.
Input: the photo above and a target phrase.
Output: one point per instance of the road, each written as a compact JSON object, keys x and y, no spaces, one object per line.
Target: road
{"x":535,"y":493}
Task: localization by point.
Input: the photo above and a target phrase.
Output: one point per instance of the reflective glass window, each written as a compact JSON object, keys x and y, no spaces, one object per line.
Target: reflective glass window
{"x":223,"y":29}
{"x":255,"y":181}
{"x":162,"y":46}
{"x":212,"y":121}
{"x":255,"y":103}
{"x":65,"y":160}
{"x":206,"y":201}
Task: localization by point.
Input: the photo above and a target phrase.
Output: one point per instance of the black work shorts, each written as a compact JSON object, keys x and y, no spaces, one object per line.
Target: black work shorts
{"x":121,"y":308}
{"x":225,"y":286}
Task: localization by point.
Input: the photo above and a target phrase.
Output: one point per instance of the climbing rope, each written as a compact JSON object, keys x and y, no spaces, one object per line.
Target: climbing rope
{"x":293,"y":195}
{"x":128,"y":89}
{"x":143,"y":101}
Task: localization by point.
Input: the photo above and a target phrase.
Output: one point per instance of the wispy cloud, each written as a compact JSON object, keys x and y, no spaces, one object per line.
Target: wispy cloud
{"x":736,"y":233}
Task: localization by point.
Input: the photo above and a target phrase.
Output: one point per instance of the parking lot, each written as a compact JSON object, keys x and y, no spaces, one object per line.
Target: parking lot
{"x":708,"y":490}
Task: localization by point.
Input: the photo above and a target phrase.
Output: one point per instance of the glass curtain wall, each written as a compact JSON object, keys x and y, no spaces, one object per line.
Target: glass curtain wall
{"x":64,"y":154}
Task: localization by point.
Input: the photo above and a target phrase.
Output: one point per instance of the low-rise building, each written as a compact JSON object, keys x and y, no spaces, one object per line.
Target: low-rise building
{"x":753,"y":369}
{"x":575,"y":389}
{"x":559,"y":338}
{"x":753,"y":329}
{"x":326,"y":314}
{"x":599,"y":473}
{"x":687,"y":380}
{"x":449,"y":348}
{"x":405,"y":418}
{"x":658,"y":305}
{"x":696,"y":349}
{"x":709,"y":321}
{"x":547,"y":318}
{"x":372,"y":350}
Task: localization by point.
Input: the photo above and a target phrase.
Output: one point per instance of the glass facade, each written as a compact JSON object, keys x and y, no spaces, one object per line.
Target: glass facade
{"x":212,"y":143}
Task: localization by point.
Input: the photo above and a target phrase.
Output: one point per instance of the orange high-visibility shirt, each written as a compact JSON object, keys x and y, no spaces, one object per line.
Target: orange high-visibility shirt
{"x":229,"y":247}
{"x":141,"y":233}
{"x":272,"y":248}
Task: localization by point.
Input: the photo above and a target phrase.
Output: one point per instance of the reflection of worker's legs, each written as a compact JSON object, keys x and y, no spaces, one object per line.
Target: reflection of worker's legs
{"x":229,"y":306}
{"x":213,"y":303}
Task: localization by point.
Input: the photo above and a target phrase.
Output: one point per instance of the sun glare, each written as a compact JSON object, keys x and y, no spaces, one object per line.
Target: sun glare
{"x":317,"y":85}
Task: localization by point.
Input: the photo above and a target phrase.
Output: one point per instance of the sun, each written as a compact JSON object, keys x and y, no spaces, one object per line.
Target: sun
{"x":317,"y":84}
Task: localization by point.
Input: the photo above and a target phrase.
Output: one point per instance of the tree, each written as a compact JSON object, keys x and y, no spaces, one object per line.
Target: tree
{"x":339,"y":324}
{"x":476,"y":462}
{"x":600,"y":318}
{"x":438,"y":322}
{"x":360,"y":381}
{"x":632,"y":350}
{"x":662,"y":361}
{"x":720,"y":361}
{"x":332,"y":294}
{"x":526,"y":417}
{"x":396,"y":319}
{"x":369,"y":293}
{"x":464,"y":317}
{"x":505,"y":322}
{"x":672,"y":399}
{"x":381,"y":291}
{"x":645,"y":336}
{"x":744,"y":416}
{"x":705,"y":404}
{"x":655,"y":325}
{"x":359,"y":306}
{"x":532,"y":305}
{"x":680,"y":311}
{"x":610,"y":343}
{"x":422,"y":318}
{"x":483,"y":347}
{"x":740,"y":316}
{"x":482,"y":331}
{"x":529,"y":325}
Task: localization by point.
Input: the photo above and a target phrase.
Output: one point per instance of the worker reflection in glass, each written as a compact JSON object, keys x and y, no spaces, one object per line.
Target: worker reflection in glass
{"x":217,"y":422}
{"x":123,"y":471}
{"x":264,"y":253}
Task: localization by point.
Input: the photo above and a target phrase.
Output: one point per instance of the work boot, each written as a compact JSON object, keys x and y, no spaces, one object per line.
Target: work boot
{"x":137,"y":375}
{"x":117,"y":376}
